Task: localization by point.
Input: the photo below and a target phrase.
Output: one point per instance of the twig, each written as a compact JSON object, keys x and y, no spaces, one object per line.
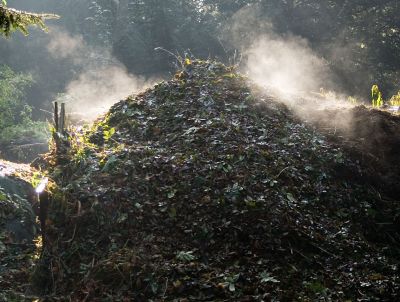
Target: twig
{"x":73,"y":236}
{"x":279,"y":174}
{"x":46,"y":111}
{"x":27,"y":145}
{"x":323,"y":250}
{"x":172,"y":54}
{"x":165,"y":289}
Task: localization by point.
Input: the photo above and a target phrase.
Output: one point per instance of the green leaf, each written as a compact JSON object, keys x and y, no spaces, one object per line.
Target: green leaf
{"x":3,"y":197}
{"x":185,"y":256}
{"x":267,"y":277}
{"x":107,"y":134}
{"x":290,"y":197}
{"x":110,"y":164}
{"x":316,"y":287}
{"x":172,"y":213}
{"x":171,"y":194}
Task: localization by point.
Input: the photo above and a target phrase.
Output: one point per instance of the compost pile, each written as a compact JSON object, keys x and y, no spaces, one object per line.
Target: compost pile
{"x":370,"y":135}
{"x":18,"y":229}
{"x":204,"y":189}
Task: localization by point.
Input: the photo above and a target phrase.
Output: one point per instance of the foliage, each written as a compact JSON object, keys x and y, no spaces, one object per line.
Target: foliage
{"x":16,"y":125}
{"x":395,"y":99}
{"x":12,"y":19}
{"x":358,"y":42}
{"x":376,"y":96}
{"x":13,"y":109}
{"x":185,"y":256}
{"x":35,"y":131}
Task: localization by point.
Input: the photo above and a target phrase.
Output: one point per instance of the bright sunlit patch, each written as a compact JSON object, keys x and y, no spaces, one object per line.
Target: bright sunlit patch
{"x":42,"y":185}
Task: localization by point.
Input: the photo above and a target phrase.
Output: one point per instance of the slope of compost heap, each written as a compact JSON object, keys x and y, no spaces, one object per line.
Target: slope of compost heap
{"x":370,"y":134}
{"x":203,"y":189}
{"x":18,"y":229}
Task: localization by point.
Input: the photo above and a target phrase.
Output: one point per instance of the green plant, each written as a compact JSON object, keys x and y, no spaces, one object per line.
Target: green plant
{"x":108,"y":133}
{"x":230,"y":282}
{"x":185,"y":256}
{"x":12,"y":19}
{"x":13,"y":109}
{"x":395,"y":100}
{"x":34,"y":131}
{"x":267,"y":277}
{"x":376,"y":95}
{"x":315,"y":287}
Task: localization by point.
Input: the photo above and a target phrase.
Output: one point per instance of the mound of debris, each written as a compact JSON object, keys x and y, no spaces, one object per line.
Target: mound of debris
{"x":371,"y":135}
{"x":18,"y":229}
{"x":203,"y":189}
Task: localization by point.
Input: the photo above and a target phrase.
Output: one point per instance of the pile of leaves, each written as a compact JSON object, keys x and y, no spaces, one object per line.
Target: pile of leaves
{"x":18,"y":231}
{"x":370,"y":135}
{"x":204,"y":189}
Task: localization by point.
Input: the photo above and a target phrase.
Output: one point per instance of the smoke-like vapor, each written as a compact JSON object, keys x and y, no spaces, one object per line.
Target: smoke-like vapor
{"x":64,"y":45}
{"x":289,"y":69}
{"x":95,"y":90}
{"x":100,"y":81}
{"x":286,"y":65}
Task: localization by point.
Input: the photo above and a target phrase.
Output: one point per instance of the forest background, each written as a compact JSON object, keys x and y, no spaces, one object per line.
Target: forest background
{"x":99,"y":51}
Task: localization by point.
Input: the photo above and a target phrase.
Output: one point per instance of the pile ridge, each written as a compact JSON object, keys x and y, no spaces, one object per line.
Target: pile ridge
{"x":204,"y":189}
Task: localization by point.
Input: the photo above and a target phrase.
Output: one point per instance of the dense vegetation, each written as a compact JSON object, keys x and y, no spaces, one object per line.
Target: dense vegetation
{"x":16,"y":124}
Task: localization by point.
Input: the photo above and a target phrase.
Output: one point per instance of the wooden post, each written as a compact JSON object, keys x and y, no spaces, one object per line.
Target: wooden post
{"x":62,"y":118}
{"x":56,"y":128}
{"x":43,"y":211}
{"x":56,"y":116}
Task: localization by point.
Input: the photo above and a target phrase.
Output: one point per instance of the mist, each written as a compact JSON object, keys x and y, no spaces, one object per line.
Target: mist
{"x":286,"y":65}
{"x":287,"y":68}
{"x":101,"y":80}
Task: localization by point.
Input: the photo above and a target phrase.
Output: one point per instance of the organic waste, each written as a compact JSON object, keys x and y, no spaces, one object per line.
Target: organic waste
{"x":203,"y":188}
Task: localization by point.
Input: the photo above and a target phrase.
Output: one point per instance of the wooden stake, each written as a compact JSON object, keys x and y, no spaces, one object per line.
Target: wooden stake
{"x":62,"y":118}
{"x":56,"y":116}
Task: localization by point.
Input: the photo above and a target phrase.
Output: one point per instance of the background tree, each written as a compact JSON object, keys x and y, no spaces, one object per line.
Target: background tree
{"x":358,"y":39}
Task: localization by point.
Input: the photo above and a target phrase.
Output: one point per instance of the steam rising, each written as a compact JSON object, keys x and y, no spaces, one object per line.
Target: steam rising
{"x":288,"y":68}
{"x":286,"y":65}
{"x":94,"y":91}
{"x":100,"y":81}
{"x":63,"y":45}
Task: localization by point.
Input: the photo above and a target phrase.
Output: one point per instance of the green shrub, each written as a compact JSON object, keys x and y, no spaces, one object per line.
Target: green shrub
{"x":395,"y":100}
{"x":13,"y":108}
{"x":376,"y":95}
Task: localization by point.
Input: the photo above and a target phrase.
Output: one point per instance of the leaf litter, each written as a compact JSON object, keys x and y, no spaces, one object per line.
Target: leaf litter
{"x":205,"y":189}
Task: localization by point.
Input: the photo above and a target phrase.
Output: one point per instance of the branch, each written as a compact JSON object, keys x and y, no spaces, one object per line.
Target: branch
{"x":12,"y":19}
